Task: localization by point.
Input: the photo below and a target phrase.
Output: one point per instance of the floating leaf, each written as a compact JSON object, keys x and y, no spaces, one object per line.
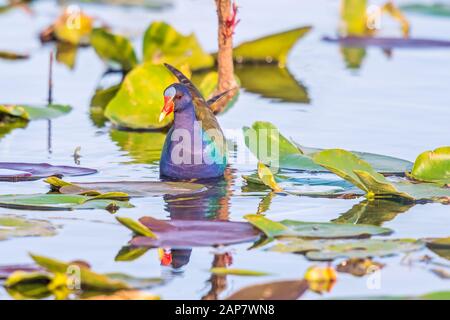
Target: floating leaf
{"x":273,"y":149}
{"x":28,"y":285}
{"x":283,"y":86}
{"x":291,"y":228}
{"x":131,"y":188}
{"x":73,"y":26}
{"x":344,"y":163}
{"x":135,"y":105}
{"x":353,"y":17}
{"x":14,"y":226}
{"x":320,"y":279}
{"x":237,"y":272}
{"x":114,"y":48}
{"x":33,"y":112}
{"x":162,"y":43}
{"x":270,"y":49}
{"x":89,"y":280}
{"x":266,"y":176}
{"x":143,"y":147}
{"x":280,"y":290}
{"x":137,"y":227}
{"x":194,"y":233}
{"x":17,"y":171}
{"x":388,"y":43}
{"x":59,"y":202}
{"x":443,"y":243}
{"x":330,"y":250}
{"x":434,"y":9}
{"x":433,"y":166}
{"x":102,"y":97}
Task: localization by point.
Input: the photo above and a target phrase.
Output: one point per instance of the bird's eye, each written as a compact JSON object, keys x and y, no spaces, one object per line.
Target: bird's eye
{"x":178,"y":96}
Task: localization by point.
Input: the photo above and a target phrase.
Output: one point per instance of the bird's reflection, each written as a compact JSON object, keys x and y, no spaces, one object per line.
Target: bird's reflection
{"x":213,"y":204}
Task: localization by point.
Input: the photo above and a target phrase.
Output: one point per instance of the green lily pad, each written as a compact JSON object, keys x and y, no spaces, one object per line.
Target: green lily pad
{"x":7,"y":126}
{"x":143,"y":147}
{"x":162,"y":43}
{"x":208,"y":84}
{"x":283,"y":86}
{"x":59,"y":202}
{"x":433,"y":166}
{"x":440,"y":246}
{"x":322,"y":230}
{"x":89,"y":280}
{"x":237,"y":272}
{"x":137,"y":227}
{"x":15,"y":226}
{"x":113,"y":48}
{"x":326,"y":250}
{"x":33,"y":112}
{"x":28,"y":285}
{"x":297,"y":157}
{"x":130,"y":188}
{"x":273,"y":149}
{"x":136,"y":106}
{"x":374,"y":212}
{"x":270,"y":49}
{"x":434,"y":9}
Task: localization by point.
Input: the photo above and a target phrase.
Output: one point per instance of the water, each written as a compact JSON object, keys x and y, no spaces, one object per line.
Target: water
{"x":396,"y":106}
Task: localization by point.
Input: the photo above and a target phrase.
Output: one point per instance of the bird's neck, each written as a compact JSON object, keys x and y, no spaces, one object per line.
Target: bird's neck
{"x":185,"y":118}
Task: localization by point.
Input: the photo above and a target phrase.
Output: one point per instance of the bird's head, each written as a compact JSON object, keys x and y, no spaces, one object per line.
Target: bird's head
{"x":176,"y":98}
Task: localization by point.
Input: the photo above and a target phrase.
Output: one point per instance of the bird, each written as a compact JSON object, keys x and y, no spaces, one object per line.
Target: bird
{"x":195,"y":146}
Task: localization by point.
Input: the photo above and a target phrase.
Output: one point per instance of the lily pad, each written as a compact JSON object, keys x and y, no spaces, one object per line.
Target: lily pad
{"x":18,"y":171}
{"x":131,"y":188}
{"x":263,"y":136}
{"x":114,"y":48}
{"x":327,"y":250}
{"x":33,"y":112}
{"x":270,"y":49}
{"x":283,"y":86}
{"x":316,"y":230}
{"x":267,"y":177}
{"x":433,"y":166}
{"x":137,"y":227}
{"x":135,"y":106}
{"x":14,"y":226}
{"x":194,"y":233}
{"x":73,"y":26}
{"x":280,"y":290}
{"x":162,"y":43}
{"x":143,"y":147}
{"x":60,"y":202}
{"x":8,"y":55}
{"x":389,"y":43}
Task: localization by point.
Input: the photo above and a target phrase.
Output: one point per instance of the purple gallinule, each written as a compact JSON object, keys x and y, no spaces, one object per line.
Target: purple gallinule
{"x":195,"y":147}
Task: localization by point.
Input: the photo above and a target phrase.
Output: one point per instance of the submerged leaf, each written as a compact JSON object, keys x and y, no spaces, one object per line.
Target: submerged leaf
{"x":18,"y":171}
{"x":329,"y":250}
{"x":15,"y":226}
{"x":194,"y":233}
{"x":113,"y":48}
{"x":433,"y":166}
{"x":270,"y":49}
{"x":323,"y":230}
{"x":280,"y":290}
{"x":162,"y":43}
{"x":137,"y":107}
{"x":33,"y":112}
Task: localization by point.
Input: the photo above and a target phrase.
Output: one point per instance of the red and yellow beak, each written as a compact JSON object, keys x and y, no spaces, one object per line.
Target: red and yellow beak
{"x":167,"y":109}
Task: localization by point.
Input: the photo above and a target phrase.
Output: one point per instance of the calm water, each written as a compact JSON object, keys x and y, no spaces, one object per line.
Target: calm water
{"x":396,"y":105}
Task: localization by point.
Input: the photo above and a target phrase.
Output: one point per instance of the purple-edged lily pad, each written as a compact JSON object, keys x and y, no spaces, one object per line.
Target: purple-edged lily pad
{"x":17,"y":171}
{"x":389,"y":43}
{"x":194,"y":233}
